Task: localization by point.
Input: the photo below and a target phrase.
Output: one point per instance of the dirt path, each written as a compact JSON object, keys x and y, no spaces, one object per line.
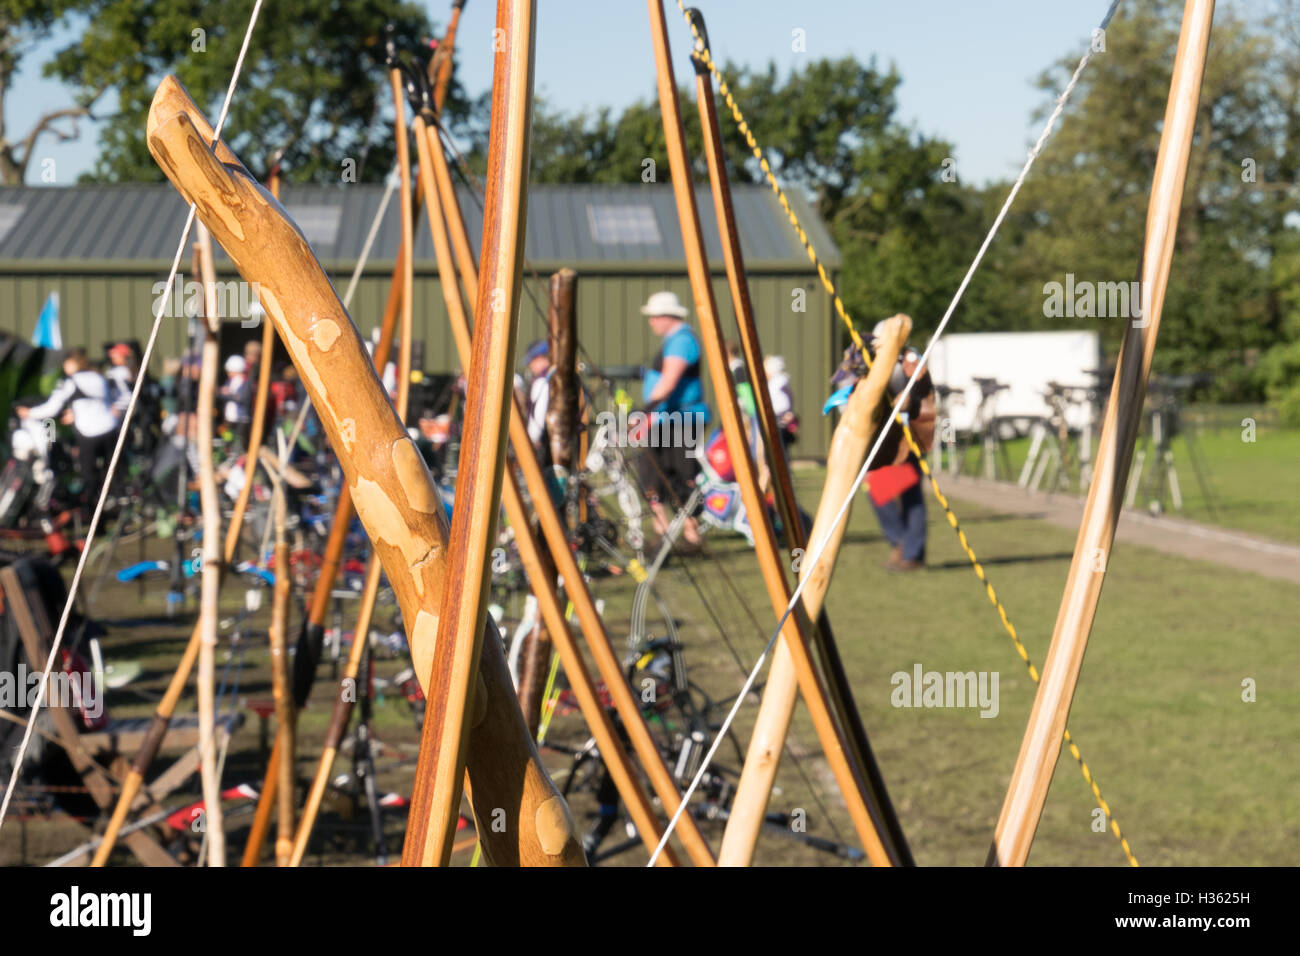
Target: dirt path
{"x":1186,"y":539}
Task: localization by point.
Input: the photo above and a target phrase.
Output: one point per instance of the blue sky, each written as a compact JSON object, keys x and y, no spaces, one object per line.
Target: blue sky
{"x":967,"y":65}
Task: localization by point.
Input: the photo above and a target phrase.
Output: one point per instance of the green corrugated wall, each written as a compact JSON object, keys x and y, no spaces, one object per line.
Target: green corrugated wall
{"x":100,"y":307}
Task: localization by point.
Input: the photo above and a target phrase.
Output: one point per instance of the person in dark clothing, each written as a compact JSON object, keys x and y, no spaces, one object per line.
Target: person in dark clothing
{"x":902,"y":517}
{"x":894,"y":481}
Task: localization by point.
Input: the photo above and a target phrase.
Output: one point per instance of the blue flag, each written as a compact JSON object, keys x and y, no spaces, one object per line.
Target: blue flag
{"x":47,"y":334}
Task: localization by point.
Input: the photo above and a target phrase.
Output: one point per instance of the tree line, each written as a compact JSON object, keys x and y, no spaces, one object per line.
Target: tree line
{"x":893,"y":198}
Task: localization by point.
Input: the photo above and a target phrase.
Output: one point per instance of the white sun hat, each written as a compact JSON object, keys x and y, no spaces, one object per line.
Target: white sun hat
{"x":665,"y":303}
{"x":235,"y":365}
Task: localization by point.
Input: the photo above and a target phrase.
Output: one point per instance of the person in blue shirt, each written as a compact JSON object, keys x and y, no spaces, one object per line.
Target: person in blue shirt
{"x":672,"y":393}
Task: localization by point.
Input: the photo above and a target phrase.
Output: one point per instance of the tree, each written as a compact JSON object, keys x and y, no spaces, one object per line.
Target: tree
{"x":23,"y":23}
{"x":829,"y":130}
{"x":313,"y":87}
{"x":1281,"y":363}
{"x":1083,"y":210}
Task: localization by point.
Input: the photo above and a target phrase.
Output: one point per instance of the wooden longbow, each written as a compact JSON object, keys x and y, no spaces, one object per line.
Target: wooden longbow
{"x":554,"y":533}
{"x":540,"y":570}
{"x":210,"y":503}
{"x":848,"y":450}
{"x":282,"y":694}
{"x":1041,"y":745}
{"x":795,"y":534}
{"x":535,"y":656}
{"x":441,"y":62}
{"x":392,"y":490}
{"x":849,"y":776}
{"x":435,"y":799}
{"x":166,"y":708}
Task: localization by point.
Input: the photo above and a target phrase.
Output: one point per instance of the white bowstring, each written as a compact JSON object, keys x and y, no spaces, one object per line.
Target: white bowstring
{"x":370,"y":238}
{"x":899,"y":402}
{"x":121,"y":440}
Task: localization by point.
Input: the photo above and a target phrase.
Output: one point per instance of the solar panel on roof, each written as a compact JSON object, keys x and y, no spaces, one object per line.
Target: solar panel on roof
{"x":623,"y":224}
{"x":320,"y":224}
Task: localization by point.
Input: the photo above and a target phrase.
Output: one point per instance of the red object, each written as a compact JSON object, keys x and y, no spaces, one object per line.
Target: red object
{"x":719,"y":457}
{"x":55,"y":539}
{"x":77,"y":668}
{"x":184,"y":818}
{"x":718,"y":502}
{"x":411,"y":690}
{"x":886,"y":484}
{"x":282,"y":393}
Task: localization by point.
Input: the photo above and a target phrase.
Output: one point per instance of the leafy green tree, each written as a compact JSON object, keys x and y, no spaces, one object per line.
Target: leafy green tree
{"x":829,"y":129}
{"x":313,"y":87}
{"x":598,"y":148}
{"x":1083,"y":211}
{"x":1280,"y":364}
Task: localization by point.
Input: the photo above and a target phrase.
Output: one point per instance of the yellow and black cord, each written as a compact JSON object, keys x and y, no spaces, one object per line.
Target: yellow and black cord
{"x":704,"y":55}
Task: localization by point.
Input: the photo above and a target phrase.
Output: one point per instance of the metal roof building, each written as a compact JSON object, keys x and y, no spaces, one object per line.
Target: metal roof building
{"x":106,"y":249}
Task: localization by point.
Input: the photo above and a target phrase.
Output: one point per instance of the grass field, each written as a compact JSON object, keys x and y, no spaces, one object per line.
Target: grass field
{"x":1253,"y":486}
{"x":1193,"y":774}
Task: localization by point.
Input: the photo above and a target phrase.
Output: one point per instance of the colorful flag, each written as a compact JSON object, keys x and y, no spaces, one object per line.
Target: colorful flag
{"x":47,"y":334}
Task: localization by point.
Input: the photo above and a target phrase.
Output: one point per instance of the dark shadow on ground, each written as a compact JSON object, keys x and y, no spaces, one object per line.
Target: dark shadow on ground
{"x":1010,"y":559}
{"x":1002,"y":516}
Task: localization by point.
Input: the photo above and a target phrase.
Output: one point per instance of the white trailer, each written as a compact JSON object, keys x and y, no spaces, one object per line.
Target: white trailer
{"x":1023,"y":361}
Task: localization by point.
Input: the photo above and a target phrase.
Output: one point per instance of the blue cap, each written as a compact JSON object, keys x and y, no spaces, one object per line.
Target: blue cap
{"x":536,"y":350}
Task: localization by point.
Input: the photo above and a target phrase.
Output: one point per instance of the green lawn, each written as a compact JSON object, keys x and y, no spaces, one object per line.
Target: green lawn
{"x":1193,"y":774}
{"x":1254,"y":485}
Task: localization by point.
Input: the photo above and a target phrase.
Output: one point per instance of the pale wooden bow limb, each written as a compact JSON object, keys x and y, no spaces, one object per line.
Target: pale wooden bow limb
{"x":849,"y":446}
{"x":1041,"y":746}
{"x":211,"y":571}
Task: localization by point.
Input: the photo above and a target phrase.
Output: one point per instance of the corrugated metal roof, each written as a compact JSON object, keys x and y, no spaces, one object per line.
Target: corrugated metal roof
{"x":139,"y":223}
